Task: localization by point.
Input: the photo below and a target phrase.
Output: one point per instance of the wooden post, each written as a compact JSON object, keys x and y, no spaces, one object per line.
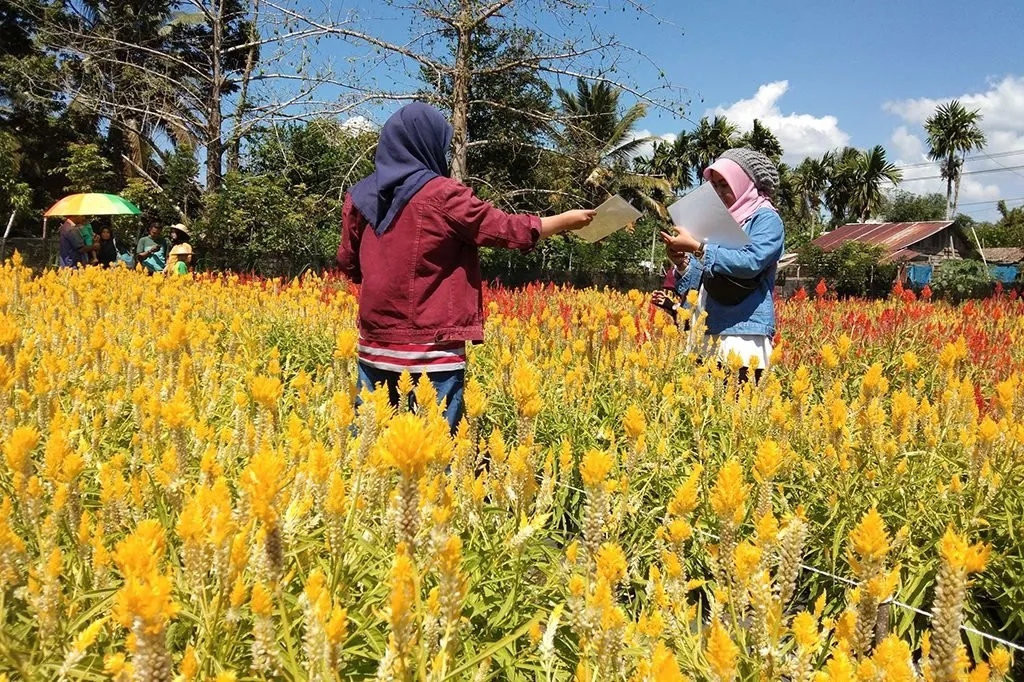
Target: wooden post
{"x":3,"y":244}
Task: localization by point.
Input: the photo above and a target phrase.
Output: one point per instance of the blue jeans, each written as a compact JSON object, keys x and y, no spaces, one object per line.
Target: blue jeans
{"x":449,"y":385}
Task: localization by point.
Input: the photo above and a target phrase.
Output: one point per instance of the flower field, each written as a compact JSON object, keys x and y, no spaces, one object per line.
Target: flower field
{"x":188,"y":492}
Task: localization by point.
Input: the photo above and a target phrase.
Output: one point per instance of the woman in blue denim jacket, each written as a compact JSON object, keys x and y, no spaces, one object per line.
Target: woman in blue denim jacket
{"x":737,"y":285}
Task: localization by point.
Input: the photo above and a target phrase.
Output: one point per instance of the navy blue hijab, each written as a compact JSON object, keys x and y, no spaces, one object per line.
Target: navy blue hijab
{"x":411,"y":152}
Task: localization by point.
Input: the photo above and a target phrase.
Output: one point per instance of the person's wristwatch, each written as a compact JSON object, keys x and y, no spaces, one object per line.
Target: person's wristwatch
{"x":698,"y":253}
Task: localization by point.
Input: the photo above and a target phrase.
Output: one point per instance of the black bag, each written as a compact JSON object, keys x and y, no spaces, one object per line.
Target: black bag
{"x":730,"y":290}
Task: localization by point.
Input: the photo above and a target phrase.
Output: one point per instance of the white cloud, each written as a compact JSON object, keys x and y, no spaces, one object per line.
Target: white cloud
{"x":906,"y":144}
{"x":358,"y":124}
{"x":647,"y":149}
{"x":1002,"y":105}
{"x":1002,"y":108}
{"x":801,"y":135}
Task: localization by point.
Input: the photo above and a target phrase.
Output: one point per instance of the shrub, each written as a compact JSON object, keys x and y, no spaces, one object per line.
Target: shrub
{"x":853,"y":269}
{"x":958,"y":280}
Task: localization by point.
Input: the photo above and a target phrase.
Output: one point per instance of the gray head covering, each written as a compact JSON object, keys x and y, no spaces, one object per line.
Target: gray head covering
{"x":759,"y":167}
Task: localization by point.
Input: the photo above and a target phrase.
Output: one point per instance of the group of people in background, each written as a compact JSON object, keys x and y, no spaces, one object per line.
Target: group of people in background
{"x":411,"y":236}
{"x":80,"y":246}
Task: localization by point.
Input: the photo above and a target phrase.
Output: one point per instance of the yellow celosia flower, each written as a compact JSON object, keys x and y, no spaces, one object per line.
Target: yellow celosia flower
{"x":345,"y":345}
{"x":145,"y":599}
{"x":266,"y":391}
{"x":475,"y":400}
{"x":874,"y":383}
{"x":262,"y":480}
{"x":884,"y":586}
{"x":805,"y":630}
{"x":260,"y":601}
{"x":839,"y":668}
{"x":634,"y":422}
{"x":679,"y":530}
{"x":664,"y":666}
{"x":87,"y":636}
{"x":869,"y":540}
{"x":408,"y":445}
{"x":999,"y":659}
{"x":189,"y":666}
{"x":747,"y":558}
{"x":611,"y":563}
{"x":961,"y":556}
{"x":19,"y":445}
{"x":721,"y":653}
{"x":684,"y":499}
{"x":336,"y":626}
{"x":910,"y":361}
{"x":405,"y":384}
{"x":729,"y":496}
{"x":403,"y":596}
{"x":595,"y":467}
{"x":768,"y":460}
{"x":239,"y":591}
{"x":767,"y":529}
{"x":988,"y":431}
{"x":526,"y":387}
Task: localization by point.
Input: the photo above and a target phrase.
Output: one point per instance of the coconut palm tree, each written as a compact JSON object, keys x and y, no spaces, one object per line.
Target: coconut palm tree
{"x":869,"y":171}
{"x":760,"y":139}
{"x":953,"y":132}
{"x":709,"y":141}
{"x":810,"y":179}
{"x":839,"y":166}
{"x":670,"y":160}
{"x":600,"y":143}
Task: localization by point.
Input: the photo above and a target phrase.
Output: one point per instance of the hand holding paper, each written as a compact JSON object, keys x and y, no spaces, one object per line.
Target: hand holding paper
{"x":612,"y":216}
{"x":679,"y":240}
{"x":706,"y":219}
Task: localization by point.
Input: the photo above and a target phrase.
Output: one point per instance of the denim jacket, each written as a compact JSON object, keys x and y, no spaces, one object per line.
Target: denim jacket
{"x":755,"y":315}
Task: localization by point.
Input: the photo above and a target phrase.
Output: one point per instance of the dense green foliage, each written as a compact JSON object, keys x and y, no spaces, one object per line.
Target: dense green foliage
{"x":190,"y":138}
{"x":853,"y":269}
{"x":958,"y":280}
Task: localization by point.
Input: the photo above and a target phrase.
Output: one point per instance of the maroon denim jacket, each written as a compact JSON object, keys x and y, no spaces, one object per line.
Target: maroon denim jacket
{"x":421,"y":279}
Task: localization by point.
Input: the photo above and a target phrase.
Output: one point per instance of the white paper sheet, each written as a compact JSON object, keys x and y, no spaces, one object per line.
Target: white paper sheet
{"x":707,"y":219}
{"x":612,"y":216}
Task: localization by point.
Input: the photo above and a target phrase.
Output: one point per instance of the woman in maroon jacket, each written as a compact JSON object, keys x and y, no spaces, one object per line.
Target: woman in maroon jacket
{"x":411,"y":238}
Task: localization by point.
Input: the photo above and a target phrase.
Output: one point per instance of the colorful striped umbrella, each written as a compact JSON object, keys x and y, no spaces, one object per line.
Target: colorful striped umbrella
{"x":93,"y":204}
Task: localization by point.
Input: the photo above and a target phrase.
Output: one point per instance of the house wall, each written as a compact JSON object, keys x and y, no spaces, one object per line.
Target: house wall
{"x":944,"y":245}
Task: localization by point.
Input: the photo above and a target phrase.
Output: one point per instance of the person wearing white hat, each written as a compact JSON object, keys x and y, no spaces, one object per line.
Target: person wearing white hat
{"x":180,"y":258}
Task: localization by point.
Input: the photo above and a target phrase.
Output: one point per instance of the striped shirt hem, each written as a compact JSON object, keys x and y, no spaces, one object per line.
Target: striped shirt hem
{"x":415,"y":358}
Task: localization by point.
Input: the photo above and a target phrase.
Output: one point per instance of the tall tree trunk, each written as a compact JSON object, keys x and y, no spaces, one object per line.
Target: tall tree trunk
{"x":949,"y":186}
{"x":460,"y":97}
{"x":215,"y":117}
{"x":956,"y":195}
{"x":235,"y":145}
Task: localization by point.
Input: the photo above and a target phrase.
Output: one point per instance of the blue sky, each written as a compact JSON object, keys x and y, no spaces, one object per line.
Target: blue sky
{"x":869,"y":72}
{"x":827,"y":73}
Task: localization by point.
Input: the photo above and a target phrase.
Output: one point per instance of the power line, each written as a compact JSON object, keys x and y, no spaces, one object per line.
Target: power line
{"x":992,"y":157}
{"x":1003,"y":169}
{"x":991,"y":201}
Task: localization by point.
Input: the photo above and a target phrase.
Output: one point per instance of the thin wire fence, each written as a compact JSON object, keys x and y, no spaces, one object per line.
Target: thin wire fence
{"x":851,"y":583}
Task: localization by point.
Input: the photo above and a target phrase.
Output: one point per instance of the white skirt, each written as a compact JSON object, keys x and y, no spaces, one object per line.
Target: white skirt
{"x":751,"y":348}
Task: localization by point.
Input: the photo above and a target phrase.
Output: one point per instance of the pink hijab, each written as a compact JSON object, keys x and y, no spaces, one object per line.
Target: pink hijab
{"x":748,"y":199}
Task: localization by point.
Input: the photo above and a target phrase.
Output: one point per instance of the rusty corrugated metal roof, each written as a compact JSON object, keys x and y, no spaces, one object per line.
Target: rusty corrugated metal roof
{"x":1010,"y":255}
{"x":892,"y":236}
{"x":901,"y":256}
